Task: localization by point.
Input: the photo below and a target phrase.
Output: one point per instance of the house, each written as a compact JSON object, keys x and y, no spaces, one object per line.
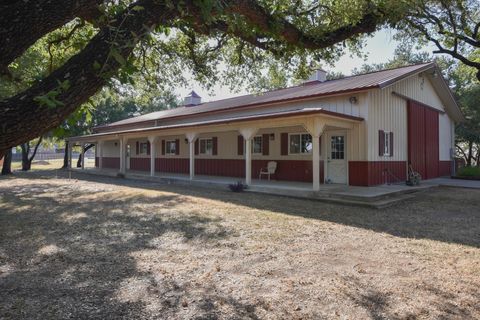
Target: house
{"x":361,"y":130}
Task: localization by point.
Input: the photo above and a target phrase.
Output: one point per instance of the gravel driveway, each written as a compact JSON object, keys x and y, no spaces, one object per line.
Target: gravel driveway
{"x":105,"y":248}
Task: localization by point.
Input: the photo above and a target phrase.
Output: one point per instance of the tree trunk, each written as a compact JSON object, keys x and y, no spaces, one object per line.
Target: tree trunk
{"x":26,"y":160}
{"x":470,"y":153}
{"x":26,"y":164}
{"x":85,"y":149}
{"x":65,"y":156}
{"x":7,"y":163}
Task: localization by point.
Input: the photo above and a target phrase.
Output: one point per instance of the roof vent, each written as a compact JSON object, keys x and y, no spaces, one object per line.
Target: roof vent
{"x":319,"y":75}
{"x":192,"y":99}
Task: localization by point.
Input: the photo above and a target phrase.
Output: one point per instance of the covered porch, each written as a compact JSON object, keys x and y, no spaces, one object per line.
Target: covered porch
{"x":238,"y":149}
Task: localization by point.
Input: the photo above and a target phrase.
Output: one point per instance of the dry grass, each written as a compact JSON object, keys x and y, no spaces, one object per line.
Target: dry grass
{"x":110,"y":248}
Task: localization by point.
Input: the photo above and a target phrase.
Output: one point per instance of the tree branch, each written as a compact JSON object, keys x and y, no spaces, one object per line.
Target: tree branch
{"x":24,"y":22}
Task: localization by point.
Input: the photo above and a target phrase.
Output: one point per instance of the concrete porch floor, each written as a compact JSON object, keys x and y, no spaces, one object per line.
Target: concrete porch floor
{"x":378,"y":196}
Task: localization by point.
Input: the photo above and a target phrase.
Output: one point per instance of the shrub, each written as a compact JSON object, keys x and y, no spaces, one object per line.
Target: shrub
{"x":469,"y":172}
{"x":237,"y":187}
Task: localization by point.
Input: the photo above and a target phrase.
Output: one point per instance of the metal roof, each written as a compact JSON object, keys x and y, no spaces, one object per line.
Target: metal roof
{"x":378,"y":79}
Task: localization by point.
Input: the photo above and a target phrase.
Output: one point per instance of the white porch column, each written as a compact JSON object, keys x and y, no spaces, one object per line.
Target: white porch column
{"x":83,"y":155}
{"x":315,"y":127}
{"x":100,"y":154}
{"x":122,"y":155}
{"x":248,"y":134}
{"x":153,"y":154}
{"x":192,"y":137}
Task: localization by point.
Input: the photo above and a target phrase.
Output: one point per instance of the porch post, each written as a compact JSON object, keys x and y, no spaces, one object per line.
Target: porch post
{"x":248,"y":161}
{"x":248,"y":134}
{"x":100,"y":154}
{"x":122,"y":155}
{"x":83,"y":155}
{"x":316,"y":162}
{"x":153,"y":152}
{"x":192,"y":137}
{"x":315,"y":128}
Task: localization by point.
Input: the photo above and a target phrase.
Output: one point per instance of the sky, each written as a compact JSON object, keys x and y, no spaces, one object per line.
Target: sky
{"x":379,"y":48}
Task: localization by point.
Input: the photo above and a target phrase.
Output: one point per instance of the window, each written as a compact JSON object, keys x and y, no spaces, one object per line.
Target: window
{"x":170,"y":147}
{"x":257,"y":145}
{"x":337,"y":147}
{"x":206,"y":146}
{"x":386,"y":143}
{"x":300,"y":143}
{"x":142,"y":148}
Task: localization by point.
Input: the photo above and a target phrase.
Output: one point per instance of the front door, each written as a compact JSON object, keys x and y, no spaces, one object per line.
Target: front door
{"x":337,"y":158}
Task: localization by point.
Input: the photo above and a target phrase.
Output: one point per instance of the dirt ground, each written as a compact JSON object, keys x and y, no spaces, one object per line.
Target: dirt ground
{"x":106,"y":248}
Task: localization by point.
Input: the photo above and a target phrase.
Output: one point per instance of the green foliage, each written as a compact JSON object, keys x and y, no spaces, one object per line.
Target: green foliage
{"x":469,"y":172}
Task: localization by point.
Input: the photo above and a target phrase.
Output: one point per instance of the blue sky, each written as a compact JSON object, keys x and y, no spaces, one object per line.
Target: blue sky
{"x":379,"y":48}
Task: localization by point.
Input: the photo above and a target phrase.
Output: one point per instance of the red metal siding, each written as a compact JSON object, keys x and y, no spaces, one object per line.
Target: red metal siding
{"x":432,"y":155}
{"x":416,"y":137}
{"x":287,"y":170}
{"x":140,"y":164}
{"x":371,"y":173}
{"x":111,"y":162}
{"x":423,"y":140}
{"x":445,"y":168}
{"x":172,"y":165}
{"x":220,"y":167}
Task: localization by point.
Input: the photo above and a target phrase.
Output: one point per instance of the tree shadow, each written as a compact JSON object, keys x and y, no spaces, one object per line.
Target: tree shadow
{"x":444,"y":214}
{"x":379,"y":303}
{"x":71,"y":253}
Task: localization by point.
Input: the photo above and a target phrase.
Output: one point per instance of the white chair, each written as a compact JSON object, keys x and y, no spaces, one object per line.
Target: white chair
{"x":269,"y":170}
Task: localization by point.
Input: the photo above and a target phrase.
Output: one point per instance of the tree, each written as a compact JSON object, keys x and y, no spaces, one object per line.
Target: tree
{"x":453,"y":26}
{"x":404,"y":55}
{"x":27,"y":158}
{"x":242,"y":34}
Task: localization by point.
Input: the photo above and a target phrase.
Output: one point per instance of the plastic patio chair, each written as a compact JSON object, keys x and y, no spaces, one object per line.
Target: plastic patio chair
{"x":269,"y":170}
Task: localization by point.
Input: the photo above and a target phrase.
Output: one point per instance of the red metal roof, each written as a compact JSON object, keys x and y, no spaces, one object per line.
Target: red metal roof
{"x":361,"y":82}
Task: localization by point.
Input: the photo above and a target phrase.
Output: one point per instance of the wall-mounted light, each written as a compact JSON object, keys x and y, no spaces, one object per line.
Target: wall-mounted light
{"x":186,"y":141}
{"x":353,"y":100}
{"x":272,"y":136}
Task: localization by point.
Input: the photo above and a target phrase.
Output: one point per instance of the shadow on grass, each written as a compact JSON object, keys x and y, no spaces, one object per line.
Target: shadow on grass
{"x":445,"y":214}
{"x":65,"y":256}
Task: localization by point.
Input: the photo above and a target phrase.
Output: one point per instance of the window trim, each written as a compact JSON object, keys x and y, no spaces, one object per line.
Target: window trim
{"x":299,"y":153}
{"x":261,"y":145}
{"x":140,"y":151}
{"x":167,"y":152}
{"x":200,"y":147}
{"x":386,"y":146}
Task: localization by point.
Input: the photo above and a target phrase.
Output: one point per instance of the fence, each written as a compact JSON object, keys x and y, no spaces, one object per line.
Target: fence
{"x":52,"y":155}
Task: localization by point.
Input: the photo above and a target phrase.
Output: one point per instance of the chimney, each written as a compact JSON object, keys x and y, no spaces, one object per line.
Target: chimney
{"x":319,"y":75}
{"x":192,"y":99}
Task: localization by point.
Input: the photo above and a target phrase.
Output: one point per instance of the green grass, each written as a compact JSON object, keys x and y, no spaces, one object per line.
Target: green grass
{"x":469,"y":172}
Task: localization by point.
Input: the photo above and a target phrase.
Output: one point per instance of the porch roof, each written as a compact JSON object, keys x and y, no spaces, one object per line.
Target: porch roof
{"x":257,"y":116}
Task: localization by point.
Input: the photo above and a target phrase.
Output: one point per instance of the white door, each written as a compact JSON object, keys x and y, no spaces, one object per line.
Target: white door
{"x":337,"y":157}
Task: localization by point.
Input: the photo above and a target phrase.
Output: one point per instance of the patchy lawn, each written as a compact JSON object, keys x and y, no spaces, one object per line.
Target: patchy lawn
{"x":111,"y":248}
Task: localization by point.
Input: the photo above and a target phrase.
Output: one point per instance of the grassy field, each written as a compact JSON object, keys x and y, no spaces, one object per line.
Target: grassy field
{"x":106,"y":248}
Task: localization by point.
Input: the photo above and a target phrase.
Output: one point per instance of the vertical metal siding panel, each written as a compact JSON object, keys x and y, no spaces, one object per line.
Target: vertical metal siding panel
{"x":416,"y":137}
{"x":431,"y":143}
